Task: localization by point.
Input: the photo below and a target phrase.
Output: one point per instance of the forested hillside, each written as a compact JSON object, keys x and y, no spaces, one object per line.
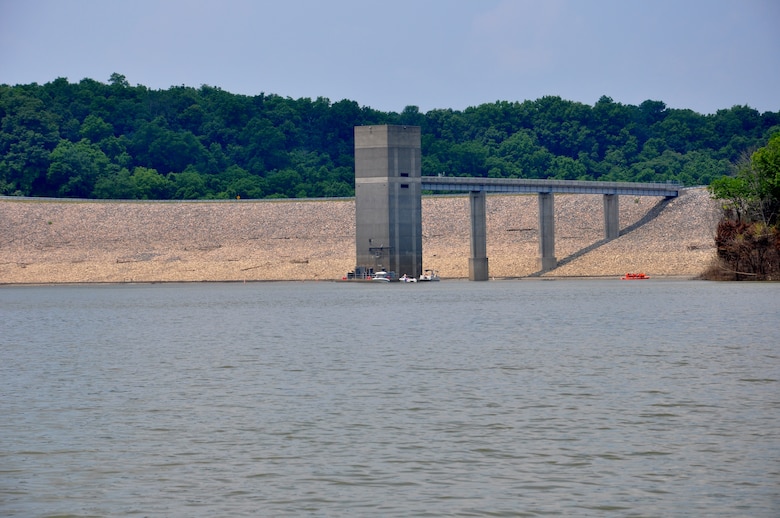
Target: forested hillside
{"x":113,"y":140}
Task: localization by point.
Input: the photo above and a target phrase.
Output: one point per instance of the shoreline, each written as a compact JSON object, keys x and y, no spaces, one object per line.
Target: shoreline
{"x":665,"y":278}
{"x":51,"y":241}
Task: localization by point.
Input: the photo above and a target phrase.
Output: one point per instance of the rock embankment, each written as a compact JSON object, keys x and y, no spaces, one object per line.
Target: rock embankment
{"x":58,"y":241}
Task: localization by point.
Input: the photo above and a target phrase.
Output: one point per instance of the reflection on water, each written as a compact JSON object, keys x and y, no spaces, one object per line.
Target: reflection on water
{"x":501,"y":398}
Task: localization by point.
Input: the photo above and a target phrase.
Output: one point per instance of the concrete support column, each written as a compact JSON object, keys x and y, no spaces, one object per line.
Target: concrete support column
{"x":478,"y":262}
{"x":547,"y":260}
{"x":611,"y":216}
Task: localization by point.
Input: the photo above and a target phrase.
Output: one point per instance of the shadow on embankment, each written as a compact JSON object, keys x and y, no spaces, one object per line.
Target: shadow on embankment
{"x":647,"y":218}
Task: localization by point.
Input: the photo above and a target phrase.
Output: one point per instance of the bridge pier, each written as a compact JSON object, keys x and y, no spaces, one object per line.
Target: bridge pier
{"x":478,"y":262}
{"x":611,"y":216}
{"x":547,"y":260}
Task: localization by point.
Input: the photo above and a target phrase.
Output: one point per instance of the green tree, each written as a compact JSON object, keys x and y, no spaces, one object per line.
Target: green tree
{"x":95,"y":129}
{"x":285,"y":183}
{"x":608,"y":120}
{"x":468,"y":159}
{"x":158,"y":147}
{"x":753,"y":193}
{"x":261,"y":146}
{"x":701,"y":168}
{"x":765,"y":181}
{"x":76,"y":167}
{"x":28,"y":134}
{"x":565,"y":168}
{"x":118,"y":80}
{"x":237,"y":182}
{"x":188,"y":185}
{"x":248,"y":187}
{"x":411,"y":116}
{"x":118,"y":186}
{"x":149,"y":184}
{"x":334,"y":189}
{"x":527,"y":157}
{"x":500,"y":167}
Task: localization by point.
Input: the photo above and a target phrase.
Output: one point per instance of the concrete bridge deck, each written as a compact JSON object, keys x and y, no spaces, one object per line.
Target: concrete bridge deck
{"x":522,"y":185}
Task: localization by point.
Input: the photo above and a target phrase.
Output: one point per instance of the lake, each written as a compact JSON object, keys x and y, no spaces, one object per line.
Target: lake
{"x":456,"y":398}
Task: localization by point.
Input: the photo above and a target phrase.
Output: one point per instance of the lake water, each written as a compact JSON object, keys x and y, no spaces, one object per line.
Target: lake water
{"x":502,"y":398}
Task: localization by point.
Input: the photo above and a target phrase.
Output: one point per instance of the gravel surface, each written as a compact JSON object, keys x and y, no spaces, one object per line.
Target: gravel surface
{"x":58,"y":241}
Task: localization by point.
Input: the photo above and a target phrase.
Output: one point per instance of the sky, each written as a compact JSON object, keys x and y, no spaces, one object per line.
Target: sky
{"x":703,"y":55}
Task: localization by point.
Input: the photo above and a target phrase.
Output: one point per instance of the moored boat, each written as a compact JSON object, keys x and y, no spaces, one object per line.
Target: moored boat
{"x":429,"y":275}
{"x":381,"y":276}
{"x":361,"y":273}
{"x":634,"y":277}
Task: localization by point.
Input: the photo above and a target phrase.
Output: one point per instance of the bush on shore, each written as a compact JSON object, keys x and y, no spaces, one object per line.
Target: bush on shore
{"x":746,"y":251}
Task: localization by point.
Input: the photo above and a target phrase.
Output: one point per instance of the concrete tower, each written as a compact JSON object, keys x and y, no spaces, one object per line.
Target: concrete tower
{"x":388,"y":202}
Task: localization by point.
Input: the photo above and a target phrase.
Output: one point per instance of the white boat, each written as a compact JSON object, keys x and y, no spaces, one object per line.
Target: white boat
{"x":406,"y":278}
{"x":429,"y":275}
{"x":381,"y":276}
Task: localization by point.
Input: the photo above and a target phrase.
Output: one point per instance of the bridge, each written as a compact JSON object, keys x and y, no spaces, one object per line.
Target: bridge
{"x":388,"y":202}
{"x":521,"y":185}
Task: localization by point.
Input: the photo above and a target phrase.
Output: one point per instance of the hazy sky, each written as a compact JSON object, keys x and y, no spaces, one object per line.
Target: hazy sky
{"x":698,"y":54}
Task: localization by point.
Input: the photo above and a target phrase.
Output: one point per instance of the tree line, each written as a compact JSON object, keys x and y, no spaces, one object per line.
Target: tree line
{"x":116,"y":141}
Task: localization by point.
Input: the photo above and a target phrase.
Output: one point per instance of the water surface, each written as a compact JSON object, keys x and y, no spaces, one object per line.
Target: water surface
{"x":514,"y":398}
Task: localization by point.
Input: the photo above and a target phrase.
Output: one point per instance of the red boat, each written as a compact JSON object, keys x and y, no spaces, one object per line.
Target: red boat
{"x":634,"y":277}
